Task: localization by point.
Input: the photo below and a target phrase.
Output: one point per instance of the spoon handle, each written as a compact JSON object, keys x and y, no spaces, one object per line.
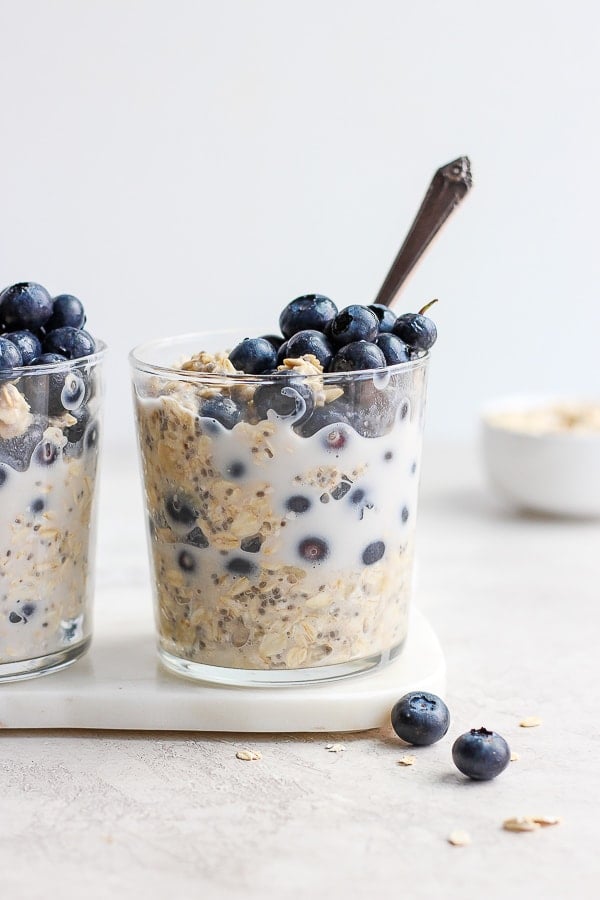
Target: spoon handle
{"x":448,"y":187}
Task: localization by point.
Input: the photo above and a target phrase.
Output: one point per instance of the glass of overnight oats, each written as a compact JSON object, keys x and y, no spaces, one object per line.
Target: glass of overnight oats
{"x":50,"y":405}
{"x":281,"y":477}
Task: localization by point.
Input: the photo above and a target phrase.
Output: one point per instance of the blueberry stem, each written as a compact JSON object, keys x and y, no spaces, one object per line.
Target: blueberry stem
{"x":427,"y":306}
{"x":448,"y":187}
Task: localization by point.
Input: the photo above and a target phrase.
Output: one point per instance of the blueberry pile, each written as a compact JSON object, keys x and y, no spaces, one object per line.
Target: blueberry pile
{"x":37,"y":329}
{"x":352,"y":339}
{"x":421,"y":719}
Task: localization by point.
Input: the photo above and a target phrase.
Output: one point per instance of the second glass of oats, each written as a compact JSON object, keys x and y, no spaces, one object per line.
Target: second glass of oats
{"x":281,"y":511}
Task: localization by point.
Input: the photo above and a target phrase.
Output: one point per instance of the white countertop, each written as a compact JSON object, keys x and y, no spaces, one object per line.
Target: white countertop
{"x":515,"y":602}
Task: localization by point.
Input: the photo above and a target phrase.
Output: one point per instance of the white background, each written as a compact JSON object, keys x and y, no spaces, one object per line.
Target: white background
{"x":189,"y":165}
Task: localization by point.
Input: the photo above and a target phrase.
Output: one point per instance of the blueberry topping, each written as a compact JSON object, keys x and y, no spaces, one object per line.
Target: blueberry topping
{"x":282,"y":353}
{"x":17,"y":452}
{"x":298,"y":504}
{"x":416,"y":330}
{"x":25,"y":306}
{"x":66,"y":310}
{"x":420,"y":718}
{"x":73,"y":392}
{"x":240,"y":566}
{"x":385,"y":317}
{"x":10,"y":357}
{"x":43,"y":392}
{"x":180,"y":510}
{"x":38,"y":505}
{"x":310,"y":311}
{"x":405,"y":514}
{"x":356,"y":356}
{"x":26,"y":343}
{"x":394,"y":350}
{"x":285,"y":398}
{"x":14,"y":618}
{"x":223,"y":409}
{"x":309,"y":341}
{"x":313,"y":549}
{"x":236,"y":470}
{"x":354,"y":323}
{"x":251,"y":544}
{"x":254,"y":356}
{"x":186,"y":561}
{"x":73,"y":343}
{"x":92,"y":436}
{"x":46,"y":453}
{"x":275,"y":340}
{"x":373,"y":553}
{"x":481,"y":754}
{"x":197,"y":538}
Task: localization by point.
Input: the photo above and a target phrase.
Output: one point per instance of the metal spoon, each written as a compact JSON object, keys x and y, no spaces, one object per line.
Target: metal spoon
{"x":448,"y":187}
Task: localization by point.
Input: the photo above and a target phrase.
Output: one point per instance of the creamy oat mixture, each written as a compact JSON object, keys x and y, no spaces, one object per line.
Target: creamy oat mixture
{"x":276,"y":545}
{"x":47,"y":475}
{"x":576,"y":418}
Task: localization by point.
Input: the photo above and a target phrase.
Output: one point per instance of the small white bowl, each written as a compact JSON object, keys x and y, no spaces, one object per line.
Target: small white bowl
{"x":553,"y":472}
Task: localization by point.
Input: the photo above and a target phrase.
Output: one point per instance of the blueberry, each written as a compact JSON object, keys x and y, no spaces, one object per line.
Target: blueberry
{"x":92,"y":436}
{"x":186,"y":561}
{"x":416,"y":330}
{"x":46,"y":453}
{"x":43,"y":392}
{"x":285,"y":397}
{"x":394,"y":350}
{"x":310,"y":311}
{"x":298,"y":504}
{"x":17,"y":452}
{"x":197,"y":538}
{"x":25,"y":306}
{"x":180,"y":510}
{"x":373,"y":553}
{"x":310,"y":341}
{"x":282,"y":353}
{"x":420,"y":718}
{"x":26,"y":343}
{"x":313,"y":549}
{"x":75,"y":432}
{"x":385,"y":317}
{"x":10,"y":357}
{"x":480,"y":754}
{"x":274,"y":339}
{"x":223,"y":409}
{"x":37,"y":506}
{"x":28,"y":610}
{"x":335,"y":413}
{"x":236,"y":470}
{"x":240,"y":566}
{"x":356,"y":356}
{"x":354,"y":323}
{"x":357,"y":496}
{"x":73,"y":391}
{"x":66,"y":310}
{"x":3,"y":475}
{"x":253,"y":356}
{"x":251,"y":544}
{"x":74,"y":343}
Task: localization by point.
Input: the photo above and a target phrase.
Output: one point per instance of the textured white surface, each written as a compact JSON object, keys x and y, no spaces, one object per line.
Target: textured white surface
{"x":515,"y":601}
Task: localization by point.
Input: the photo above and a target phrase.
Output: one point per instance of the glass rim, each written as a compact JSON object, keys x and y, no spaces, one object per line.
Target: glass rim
{"x":50,"y":368}
{"x":138,"y":364}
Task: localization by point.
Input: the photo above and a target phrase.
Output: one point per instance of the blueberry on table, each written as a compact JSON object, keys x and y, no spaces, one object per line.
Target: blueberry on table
{"x":74,"y":343}
{"x":66,"y":310}
{"x":222,"y":409}
{"x":26,"y":305}
{"x":385,"y":317}
{"x":420,"y":718}
{"x":480,"y":754}
{"x":285,"y":397}
{"x":354,"y":323}
{"x":312,"y":311}
{"x":10,"y":357}
{"x":310,"y":341}
{"x":27,"y":343}
{"x":357,"y":356}
{"x":394,"y":350}
{"x":253,"y":356}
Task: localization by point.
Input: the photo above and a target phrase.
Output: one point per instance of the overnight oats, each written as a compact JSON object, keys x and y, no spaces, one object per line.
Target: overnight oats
{"x":50,"y":402}
{"x":281,"y":486}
